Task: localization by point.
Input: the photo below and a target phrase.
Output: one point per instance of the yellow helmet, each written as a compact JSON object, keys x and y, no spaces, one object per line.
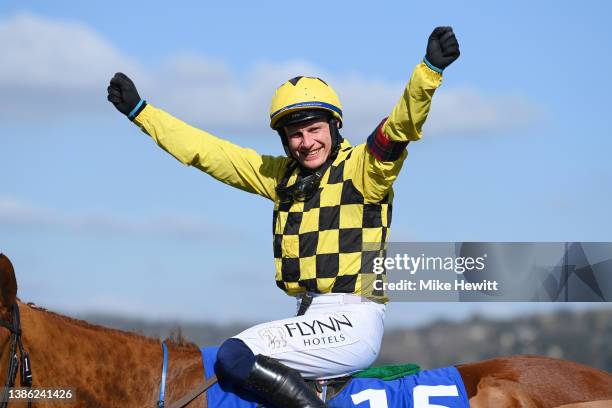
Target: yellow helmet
{"x":306,"y":94}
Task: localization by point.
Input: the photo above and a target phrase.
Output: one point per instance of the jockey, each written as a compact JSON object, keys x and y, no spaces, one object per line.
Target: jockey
{"x":332,"y":213}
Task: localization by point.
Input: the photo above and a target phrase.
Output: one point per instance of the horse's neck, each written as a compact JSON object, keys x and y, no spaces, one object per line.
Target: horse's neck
{"x":105,"y":367}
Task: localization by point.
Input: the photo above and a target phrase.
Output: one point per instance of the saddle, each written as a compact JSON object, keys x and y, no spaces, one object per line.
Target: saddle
{"x":328,"y":389}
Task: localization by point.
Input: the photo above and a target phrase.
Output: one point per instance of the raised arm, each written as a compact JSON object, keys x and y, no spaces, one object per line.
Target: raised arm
{"x":385,"y":151}
{"x":233,"y":165}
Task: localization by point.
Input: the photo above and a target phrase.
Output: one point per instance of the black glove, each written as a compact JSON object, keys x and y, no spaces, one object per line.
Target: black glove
{"x":123,"y":94}
{"x":442,"y":47}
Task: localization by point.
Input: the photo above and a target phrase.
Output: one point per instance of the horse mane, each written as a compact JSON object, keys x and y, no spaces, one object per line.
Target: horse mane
{"x":175,"y":339}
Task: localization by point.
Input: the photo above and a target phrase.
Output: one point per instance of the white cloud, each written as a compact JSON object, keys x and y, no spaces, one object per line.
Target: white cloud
{"x":468,"y":110}
{"x":54,"y":69}
{"x":55,"y":54}
{"x":22,"y":215}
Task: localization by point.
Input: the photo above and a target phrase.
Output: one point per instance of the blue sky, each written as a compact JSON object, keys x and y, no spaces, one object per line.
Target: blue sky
{"x":96,"y":217}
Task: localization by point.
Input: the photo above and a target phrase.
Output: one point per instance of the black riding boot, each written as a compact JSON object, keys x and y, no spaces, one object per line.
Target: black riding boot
{"x":280,"y":385}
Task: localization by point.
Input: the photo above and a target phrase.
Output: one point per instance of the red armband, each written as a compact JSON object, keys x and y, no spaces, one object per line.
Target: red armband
{"x":382,"y":148}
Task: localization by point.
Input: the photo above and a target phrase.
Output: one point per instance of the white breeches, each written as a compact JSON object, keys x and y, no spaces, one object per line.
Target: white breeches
{"x":338,"y":335}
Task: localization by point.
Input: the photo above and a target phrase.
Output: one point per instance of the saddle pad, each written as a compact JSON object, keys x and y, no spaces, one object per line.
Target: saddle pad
{"x":439,"y":388}
{"x":388,"y":372}
{"x":216,"y":396}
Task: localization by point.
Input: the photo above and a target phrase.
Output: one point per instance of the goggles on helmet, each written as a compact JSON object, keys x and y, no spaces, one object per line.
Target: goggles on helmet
{"x":302,"y":116}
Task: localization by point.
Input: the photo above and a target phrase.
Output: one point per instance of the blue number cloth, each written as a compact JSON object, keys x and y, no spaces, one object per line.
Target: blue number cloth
{"x":439,"y":388}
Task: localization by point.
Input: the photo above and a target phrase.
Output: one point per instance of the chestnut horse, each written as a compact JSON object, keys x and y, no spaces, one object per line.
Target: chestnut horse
{"x":112,"y":368}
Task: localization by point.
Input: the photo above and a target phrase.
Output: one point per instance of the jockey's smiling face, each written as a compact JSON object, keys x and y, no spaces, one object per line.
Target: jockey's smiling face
{"x":309,"y":142}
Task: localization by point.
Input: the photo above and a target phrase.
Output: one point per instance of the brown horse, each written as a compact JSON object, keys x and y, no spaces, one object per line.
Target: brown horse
{"x":112,"y":368}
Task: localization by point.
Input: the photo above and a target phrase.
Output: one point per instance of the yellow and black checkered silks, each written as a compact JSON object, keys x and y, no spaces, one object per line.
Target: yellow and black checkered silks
{"x":328,"y":243}
{"x":324,"y":244}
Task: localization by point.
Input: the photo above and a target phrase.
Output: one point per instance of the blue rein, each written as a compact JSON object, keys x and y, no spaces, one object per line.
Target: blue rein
{"x":162,"y":385}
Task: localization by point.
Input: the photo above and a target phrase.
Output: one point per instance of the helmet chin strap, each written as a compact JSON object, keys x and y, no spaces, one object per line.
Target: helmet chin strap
{"x":335,"y":136}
